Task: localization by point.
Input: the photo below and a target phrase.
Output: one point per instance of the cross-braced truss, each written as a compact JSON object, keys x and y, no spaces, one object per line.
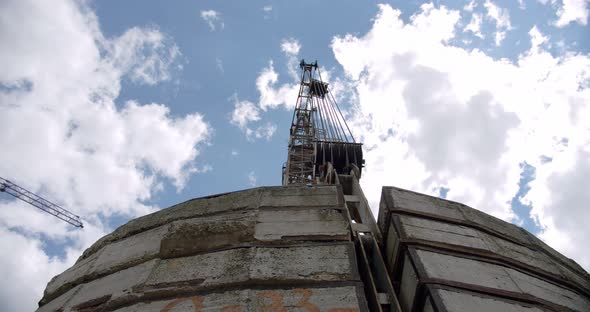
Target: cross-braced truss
{"x":319,"y":135}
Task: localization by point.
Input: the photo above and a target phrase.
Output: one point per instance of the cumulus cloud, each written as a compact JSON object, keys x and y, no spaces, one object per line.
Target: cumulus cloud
{"x":265,"y":131}
{"x":126,"y":53}
{"x":244,"y":112}
{"x":290,"y":46}
{"x":271,"y":95}
{"x":213,"y":19}
{"x":501,"y":17}
{"x":474,"y":25}
{"x":572,"y":11}
{"x":434,"y":116}
{"x":69,"y":140}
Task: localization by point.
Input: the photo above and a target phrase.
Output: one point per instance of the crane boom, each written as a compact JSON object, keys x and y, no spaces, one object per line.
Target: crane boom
{"x":40,"y":202}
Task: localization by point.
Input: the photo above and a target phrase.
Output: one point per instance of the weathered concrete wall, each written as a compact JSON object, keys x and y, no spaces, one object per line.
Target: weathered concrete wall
{"x":278,"y":248}
{"x":445,"y":255}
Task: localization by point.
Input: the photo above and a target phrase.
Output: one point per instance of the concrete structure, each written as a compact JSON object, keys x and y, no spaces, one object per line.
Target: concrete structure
{"x":319,"y":249}
{"x":264,"y":249}
{"x":445,"y":256}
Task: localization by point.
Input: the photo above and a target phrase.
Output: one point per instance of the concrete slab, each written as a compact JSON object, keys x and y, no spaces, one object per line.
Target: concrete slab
{"x":318,"y":263}
{"x":111,"y":287}
{"x":58,"y":303}
{"x":333,"y":299}
{"x":404,"y":199}
{"x":247,"y":199}
{"x":204,"y":234}
{"x":485,"y":274}
{"x":297,"y":196}
{"x":435,"y":231}
{"x":468,"y":302}
{"x":301,"y":224}
{"x":129,"y":251}
{"x":66,"y":280}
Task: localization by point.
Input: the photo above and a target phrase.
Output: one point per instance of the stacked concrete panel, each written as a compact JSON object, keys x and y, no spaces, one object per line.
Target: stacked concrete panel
{"x":445,"y":256}
{"x":264,"y":249}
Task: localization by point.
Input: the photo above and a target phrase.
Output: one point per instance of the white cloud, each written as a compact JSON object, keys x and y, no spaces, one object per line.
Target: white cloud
{"x":537,"y":39}
{"x":501,"y":18}
{"x":272,"y":96}
{"x":70,"y":141}
{"x":213,"y":19}
{"x":559,"y":195}
{"x":219,"y":64}
{"x":235,"y":152}
{"x":290,"y":46}
{"x":244,"y":112}
{"x":572,"y":11}
{"x":265,"y":131}
{"x":468,"y":122}
{"x":470,"y":6}
{"x":252,"y":178}
{"x":127,"y":54}
{"x":474,"y":25}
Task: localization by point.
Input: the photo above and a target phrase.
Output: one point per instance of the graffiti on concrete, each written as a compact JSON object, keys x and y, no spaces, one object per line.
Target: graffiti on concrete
{"x":270,"y":300}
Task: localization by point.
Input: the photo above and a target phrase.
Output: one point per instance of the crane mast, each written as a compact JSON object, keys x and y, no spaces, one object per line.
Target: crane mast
{"x":39,"y":202}
{"x":320,"y":141}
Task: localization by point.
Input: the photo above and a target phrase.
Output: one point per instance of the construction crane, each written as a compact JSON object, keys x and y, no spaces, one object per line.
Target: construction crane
{"x":320,"y":140}
{"x":39,"y":202}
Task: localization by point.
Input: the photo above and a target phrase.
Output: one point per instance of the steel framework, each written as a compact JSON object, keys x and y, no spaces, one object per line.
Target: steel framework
{"x":39,"y":202}
{"x":319,"y":135}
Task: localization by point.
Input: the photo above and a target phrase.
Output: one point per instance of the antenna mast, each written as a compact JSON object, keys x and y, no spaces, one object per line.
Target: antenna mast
{"x":40,"y":202}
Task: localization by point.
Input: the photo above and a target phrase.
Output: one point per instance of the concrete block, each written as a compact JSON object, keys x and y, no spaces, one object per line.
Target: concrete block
{"x":409,"y":284}
{"x":466,"y":270}
{"x":485,"y":274}
{"x":334,"y":299}
{"x":301,"y":224}
{"x":66,"y":280}
{"x":549,"y":291}
{"x":441,"y":232}
{"x":129,"y":251}
{"x":298,"y":196}
{"x":192,"y":236}
{"x":216,"y":204}
{"x":317,"y":263}
{"x":58,"y":303}
{"x":111,"y":287}
{"x":496,"y":224}
{"x":402,"y":199}
{"x":468,"y":302}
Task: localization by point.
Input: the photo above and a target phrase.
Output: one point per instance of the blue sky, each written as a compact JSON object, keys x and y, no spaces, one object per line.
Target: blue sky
{"x":116,"y":109}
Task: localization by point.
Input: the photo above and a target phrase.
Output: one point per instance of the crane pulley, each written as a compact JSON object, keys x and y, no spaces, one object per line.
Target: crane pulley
{"x":39,"y":202}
